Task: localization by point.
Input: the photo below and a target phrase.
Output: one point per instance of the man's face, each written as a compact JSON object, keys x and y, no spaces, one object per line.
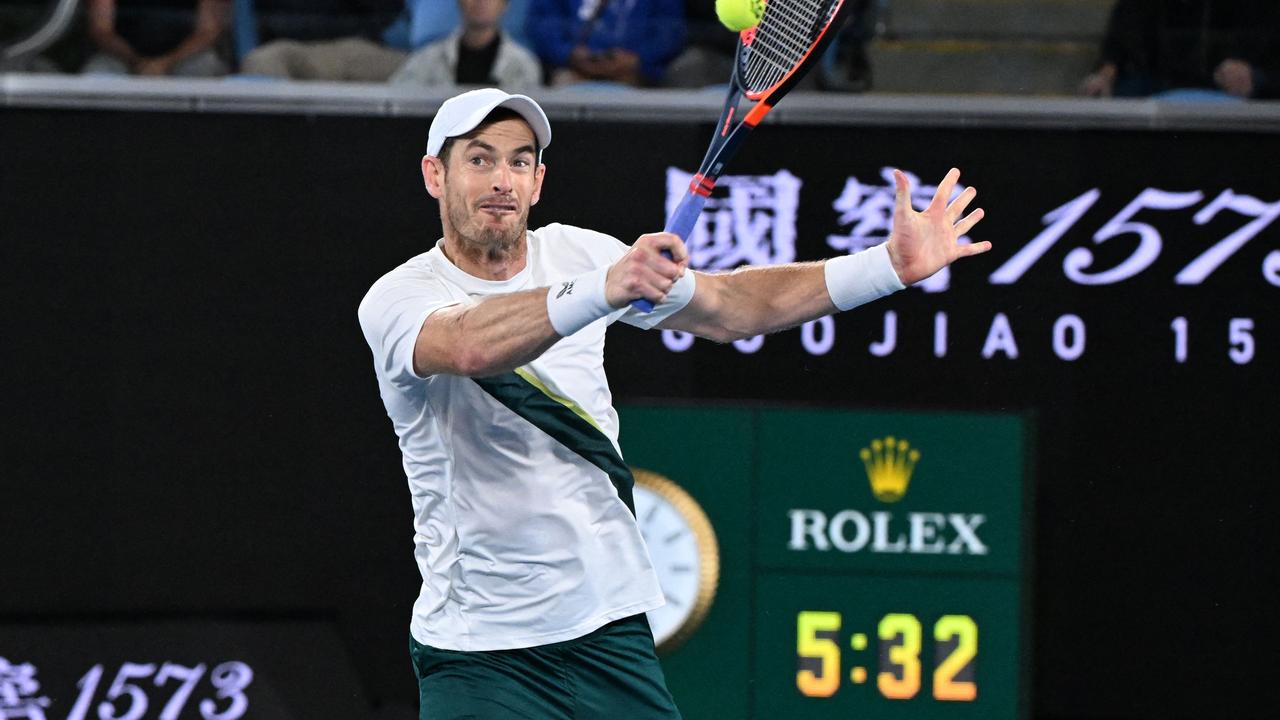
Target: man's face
{"x":489,"y":184}
{"x":482,"y":12}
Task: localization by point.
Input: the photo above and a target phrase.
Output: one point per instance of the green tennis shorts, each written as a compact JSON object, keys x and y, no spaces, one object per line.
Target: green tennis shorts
{"x":610,"y":674}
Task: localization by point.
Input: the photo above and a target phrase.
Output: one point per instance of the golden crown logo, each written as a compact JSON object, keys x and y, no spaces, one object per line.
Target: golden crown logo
{"x":889,"y":464}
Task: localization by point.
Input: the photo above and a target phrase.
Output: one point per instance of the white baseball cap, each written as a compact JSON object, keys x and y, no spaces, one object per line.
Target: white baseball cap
{"x":461,"y":114}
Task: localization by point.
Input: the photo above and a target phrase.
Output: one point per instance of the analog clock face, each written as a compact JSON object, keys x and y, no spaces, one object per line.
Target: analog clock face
{"x":684,"y":553}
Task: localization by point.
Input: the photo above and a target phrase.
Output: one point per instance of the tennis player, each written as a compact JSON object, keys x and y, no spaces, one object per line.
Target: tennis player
{"x":488,"y":350}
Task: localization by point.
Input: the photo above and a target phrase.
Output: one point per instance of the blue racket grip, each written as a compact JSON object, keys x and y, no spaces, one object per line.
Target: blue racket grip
{"x":681,"y":224}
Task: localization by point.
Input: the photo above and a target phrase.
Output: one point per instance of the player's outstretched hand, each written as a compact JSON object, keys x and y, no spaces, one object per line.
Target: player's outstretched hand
{"x":644,"y":272}
{"x":923,"y":243}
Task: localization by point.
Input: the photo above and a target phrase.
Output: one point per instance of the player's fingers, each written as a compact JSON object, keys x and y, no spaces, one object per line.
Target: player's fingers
{"x":664,"y":247}
{"x":646,"y":252}
{"x":957,"y":206}
{"x":679,"y":253}
{"x":645,"y":284}
{"x":672,"y":247}
{"x":967,"y":223}
{"x":944,"y":190}
{"x":653,"y":287}
{"x":660,"y":273}
{"x":658,"y":240}
{"x":664,"y":266}
{"x":669,"y":257}
{"x":973,"y":248}
{"x":664,"y":278}
{"x":902,"y":196}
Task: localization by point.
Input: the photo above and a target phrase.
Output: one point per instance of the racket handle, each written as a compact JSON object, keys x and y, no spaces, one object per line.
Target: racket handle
{"x":681,"y":224}
{"x":686,"y":215}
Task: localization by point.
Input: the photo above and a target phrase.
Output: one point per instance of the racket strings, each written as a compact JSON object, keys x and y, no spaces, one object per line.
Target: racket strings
{"x":783,"y":38}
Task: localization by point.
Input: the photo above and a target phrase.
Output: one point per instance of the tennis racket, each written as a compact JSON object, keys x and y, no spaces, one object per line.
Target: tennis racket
{"x":772,"y":58}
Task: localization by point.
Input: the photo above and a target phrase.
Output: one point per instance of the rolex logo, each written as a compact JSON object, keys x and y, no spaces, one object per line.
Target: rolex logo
{"x":889,"y":464}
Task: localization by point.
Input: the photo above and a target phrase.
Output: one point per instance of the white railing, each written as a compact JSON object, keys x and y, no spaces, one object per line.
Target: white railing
{"x":680,"y":106}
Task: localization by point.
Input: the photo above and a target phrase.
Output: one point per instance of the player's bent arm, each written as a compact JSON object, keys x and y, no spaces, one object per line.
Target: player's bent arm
{"x":503,"y":332}
{"x":497,"y":334}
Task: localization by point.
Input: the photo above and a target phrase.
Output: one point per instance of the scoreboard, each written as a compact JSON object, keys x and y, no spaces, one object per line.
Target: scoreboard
{"x":873,"y":564}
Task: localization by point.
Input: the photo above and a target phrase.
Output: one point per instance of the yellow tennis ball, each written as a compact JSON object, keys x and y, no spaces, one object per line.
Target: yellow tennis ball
{"x":739,"y":15}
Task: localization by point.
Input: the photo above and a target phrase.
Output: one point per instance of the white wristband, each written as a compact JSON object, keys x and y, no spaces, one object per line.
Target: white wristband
{"x":575,"y":304}
{"x":855,"y":280}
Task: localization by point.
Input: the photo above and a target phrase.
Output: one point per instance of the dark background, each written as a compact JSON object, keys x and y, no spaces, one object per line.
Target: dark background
{"x":192,"y":427}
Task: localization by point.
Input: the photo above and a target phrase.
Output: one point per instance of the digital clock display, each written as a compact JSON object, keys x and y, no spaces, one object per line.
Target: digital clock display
{"x":817,"y":639}
{"x":887,"y":647}
{"x":877,"y":559}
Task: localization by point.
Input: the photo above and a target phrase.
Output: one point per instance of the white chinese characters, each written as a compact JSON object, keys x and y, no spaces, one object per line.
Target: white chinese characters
{"x":749,"y":220}
{"x":18,"y":688}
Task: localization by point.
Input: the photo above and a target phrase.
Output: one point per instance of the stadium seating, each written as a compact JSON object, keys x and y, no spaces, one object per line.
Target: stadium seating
{"x":996,"y":47}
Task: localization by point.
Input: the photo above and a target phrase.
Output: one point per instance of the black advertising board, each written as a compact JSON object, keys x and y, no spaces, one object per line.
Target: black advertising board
{"x":186,"y":385}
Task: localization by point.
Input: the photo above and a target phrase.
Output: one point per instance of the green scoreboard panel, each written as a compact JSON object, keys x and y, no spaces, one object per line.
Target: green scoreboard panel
{"x":873,"y":564}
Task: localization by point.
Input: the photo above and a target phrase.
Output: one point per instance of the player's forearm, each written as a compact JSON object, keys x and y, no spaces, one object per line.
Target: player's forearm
{"x":760,"y":300}
{"x":495,"y":335}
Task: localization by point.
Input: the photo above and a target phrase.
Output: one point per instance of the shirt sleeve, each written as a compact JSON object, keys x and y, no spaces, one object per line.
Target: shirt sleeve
{"x":391,"y":316}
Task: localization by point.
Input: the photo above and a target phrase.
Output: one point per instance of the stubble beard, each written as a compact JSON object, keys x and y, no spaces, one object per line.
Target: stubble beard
{"x":484,"y":243}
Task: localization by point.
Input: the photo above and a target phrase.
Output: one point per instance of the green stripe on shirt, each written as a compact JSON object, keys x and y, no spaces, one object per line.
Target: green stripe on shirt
{"x":565,"y":421}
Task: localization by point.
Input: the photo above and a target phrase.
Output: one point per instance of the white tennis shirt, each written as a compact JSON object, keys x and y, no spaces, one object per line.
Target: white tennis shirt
{"x":520,"y":540}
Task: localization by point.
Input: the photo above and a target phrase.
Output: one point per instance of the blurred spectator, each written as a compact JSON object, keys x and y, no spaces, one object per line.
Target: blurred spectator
{"x":433,"y":19}
{"x":479,"y":52}
{"x":1173,"y":46}
{"x":335,"y":40}
{"x":850,"y":68}
{"x":708,"y":55}
{"x":623,"y":41}
{"x":157,"y":37}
